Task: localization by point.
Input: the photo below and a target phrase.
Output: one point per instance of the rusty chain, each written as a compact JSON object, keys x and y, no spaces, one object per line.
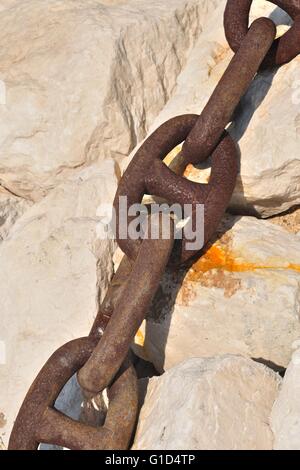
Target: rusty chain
{"x":101,"y":359}
{"x":283,"y":50}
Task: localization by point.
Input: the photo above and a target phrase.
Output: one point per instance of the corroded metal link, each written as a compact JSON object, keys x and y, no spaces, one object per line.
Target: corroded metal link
{"x":132,"y":184}
{"x":146,"y":173}
{"x":215,"y":196}
{"x":236,"y":80}
{"x":283,"y":50}
{"x":38,"y":421}
{"x":131,"y":307}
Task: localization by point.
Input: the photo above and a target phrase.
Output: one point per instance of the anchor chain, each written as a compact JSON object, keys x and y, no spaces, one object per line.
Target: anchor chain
{"x":101,"y":359}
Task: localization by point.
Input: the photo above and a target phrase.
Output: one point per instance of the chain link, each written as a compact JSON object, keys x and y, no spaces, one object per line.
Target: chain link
{"x":38,"y":421}
{"x":101,"y":359}
{"x":130,"y":309}
{"x":283,"y":50}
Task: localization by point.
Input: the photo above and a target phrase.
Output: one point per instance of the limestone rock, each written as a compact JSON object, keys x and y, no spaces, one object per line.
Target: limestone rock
{"x":241,"y":297}
{"x":220,"y":403}
{"x":290,"y":221}
{"x":285,"y":417}
{"x":11,"y":208}
{"x":270,"y":166}
{"x":54,"y":269}
{"x":81,"y":81}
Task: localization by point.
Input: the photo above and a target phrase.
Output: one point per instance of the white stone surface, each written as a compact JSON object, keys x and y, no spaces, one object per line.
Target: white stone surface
{"x":285,"y":417}
{"x":11,"y":208}
{"x":266,"y":125}
{"x":241,"y":297}
{"x":81,"y":81}
{"x":54,"y":270}
{"x":220,"y":403}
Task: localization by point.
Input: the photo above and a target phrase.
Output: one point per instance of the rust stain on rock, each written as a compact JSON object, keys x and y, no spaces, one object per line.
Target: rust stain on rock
{"x":218,"y":257}
{"x":214,"y":269}
{"x":294,"y":267}
{"x":218,"y":267}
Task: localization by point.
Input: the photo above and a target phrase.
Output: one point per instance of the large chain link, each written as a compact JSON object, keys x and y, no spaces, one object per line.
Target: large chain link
{"x":101,"y":359}
{"x":283,"y":50}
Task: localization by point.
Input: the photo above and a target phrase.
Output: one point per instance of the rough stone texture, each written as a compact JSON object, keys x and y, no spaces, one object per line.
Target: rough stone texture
{"x":54,"y":269}
{"x":220,"y":403}
{"x":84,"y":80}
{"x":242,"y":297}
{"x":11,"y":208}
{"x":266,"y":125}
{"x":285,"y":417}
{"x":290,"y":221}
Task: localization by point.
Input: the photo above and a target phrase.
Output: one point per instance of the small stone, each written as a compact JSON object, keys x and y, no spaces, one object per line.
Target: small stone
{"x":220,"y":403}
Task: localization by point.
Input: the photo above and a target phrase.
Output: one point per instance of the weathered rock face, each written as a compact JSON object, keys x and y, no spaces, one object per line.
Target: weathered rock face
{"x":290,"y":221}
{"x":285,"y":417}
{"x":270,"y":166}
{"x":220,"y":403}
{"x":242,"y":297}
{"x":11,"y":208}
{"x":81,"y":81}
{"x":54,"y":269}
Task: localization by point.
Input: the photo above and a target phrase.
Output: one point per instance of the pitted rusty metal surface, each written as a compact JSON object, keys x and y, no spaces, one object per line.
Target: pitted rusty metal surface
{"x":147,"y":173}
{"x":236,"y":80}
{"x":38,"y":421}
{"x":283,"y":50}
{"x":130,"y":309}
{"x":101,"y":359}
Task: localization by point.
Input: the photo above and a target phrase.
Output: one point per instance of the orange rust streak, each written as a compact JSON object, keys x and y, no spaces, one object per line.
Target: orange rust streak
{"x":294,"y":267}
{"x":218,"y":258}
